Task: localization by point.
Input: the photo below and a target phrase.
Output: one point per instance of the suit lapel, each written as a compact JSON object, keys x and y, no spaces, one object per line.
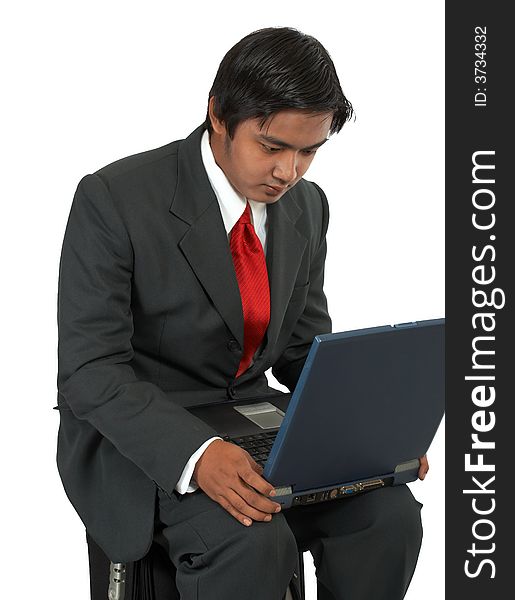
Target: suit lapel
{"x":205,"y":245}
{"x":206,"y":248}
{"x":284,"y":254}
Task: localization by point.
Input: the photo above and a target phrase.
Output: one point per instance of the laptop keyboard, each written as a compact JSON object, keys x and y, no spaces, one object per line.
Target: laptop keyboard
{"x":257,"y":445}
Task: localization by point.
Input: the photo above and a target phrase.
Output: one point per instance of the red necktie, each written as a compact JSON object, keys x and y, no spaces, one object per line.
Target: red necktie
{"x":250,"y":266}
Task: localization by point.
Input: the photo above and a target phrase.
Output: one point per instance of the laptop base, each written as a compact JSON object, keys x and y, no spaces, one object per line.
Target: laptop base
{"x":288,"y":498}
{"x":404,"y":473}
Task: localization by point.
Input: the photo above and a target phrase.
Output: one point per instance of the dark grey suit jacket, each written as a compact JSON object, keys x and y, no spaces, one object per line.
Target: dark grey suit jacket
{"x":150,"y":321}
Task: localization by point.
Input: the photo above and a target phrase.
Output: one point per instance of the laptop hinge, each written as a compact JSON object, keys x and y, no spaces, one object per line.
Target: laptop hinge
{"x":406,"y":471}
{"x":407,"y":466}
{"x":284,"y":490}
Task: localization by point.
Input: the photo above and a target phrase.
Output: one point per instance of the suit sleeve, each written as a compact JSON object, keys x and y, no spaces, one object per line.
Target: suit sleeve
{"x":315,"y":318}
{"x":95,"y":378}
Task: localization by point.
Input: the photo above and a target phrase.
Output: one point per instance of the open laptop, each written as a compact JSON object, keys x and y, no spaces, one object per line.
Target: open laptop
{"x":367,"y":405}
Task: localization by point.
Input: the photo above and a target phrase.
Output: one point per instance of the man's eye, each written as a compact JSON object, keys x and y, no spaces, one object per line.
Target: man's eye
{"x":270,"y":148}
{"x":308,"y":152}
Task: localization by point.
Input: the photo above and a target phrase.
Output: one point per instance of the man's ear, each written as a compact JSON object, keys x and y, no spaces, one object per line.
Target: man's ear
{"x":217,"y":125}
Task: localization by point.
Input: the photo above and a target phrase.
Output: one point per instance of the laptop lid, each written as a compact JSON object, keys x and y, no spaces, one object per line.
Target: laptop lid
{"x":366,"y":401}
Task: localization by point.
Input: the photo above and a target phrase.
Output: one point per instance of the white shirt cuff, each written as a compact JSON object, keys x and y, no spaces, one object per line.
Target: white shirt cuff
{"x":186,"y":485}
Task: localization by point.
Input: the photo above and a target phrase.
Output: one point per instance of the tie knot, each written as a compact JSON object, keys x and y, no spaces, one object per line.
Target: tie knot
{"x":245,"y":217}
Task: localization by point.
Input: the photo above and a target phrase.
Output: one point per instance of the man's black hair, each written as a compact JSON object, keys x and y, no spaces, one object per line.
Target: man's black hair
{"x":275,"y":69}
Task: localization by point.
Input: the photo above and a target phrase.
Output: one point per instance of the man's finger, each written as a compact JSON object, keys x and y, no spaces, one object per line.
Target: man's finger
{"x":255,"y":467}
{"x":256,"y":500}
{"x":424,"y":467}
{"x":257,"y":482}
{"x":242,"y":507}
{"x":243,"y":519}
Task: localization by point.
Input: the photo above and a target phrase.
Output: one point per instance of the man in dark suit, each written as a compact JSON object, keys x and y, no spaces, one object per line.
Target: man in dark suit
{"x":187,"y":272}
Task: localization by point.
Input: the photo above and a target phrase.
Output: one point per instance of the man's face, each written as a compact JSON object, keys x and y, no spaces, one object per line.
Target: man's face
{"x":262,"y":163}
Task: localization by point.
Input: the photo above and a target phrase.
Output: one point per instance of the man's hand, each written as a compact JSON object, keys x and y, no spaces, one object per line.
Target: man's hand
{"x":229,"y":476}
{"x":424,"y":467}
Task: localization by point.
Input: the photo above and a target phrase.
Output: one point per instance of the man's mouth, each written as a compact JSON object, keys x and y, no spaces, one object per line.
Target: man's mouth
{"x":276,"y":188}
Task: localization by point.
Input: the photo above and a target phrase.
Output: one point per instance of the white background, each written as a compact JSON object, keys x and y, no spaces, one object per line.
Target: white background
{"x":85,"y":83}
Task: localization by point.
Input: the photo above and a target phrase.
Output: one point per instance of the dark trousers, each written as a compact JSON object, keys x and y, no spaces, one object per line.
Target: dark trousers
{"x":364,"y":548}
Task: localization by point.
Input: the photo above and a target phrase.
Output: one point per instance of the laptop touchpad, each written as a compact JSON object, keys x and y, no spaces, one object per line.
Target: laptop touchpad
{"x":263,"y":414}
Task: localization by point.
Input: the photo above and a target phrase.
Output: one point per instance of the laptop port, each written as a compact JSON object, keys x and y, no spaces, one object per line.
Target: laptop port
{"x":370,"y":485}
{"x":311,"y":498}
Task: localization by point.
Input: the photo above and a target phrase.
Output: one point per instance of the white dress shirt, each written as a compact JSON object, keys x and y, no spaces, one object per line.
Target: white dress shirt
{"x":232,"y":204}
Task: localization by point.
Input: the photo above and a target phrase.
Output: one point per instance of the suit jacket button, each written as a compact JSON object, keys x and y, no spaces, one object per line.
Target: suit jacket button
{"x":233,"y":346}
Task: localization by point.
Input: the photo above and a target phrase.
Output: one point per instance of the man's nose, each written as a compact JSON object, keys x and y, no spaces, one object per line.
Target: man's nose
{"x":286,"y":168}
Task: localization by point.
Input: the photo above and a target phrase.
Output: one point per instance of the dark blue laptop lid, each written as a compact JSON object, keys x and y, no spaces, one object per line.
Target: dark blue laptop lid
{"x":366,"y":401}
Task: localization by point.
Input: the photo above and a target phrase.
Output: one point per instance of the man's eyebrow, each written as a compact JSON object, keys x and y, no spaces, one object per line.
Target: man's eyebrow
{"x":277,"y":142}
